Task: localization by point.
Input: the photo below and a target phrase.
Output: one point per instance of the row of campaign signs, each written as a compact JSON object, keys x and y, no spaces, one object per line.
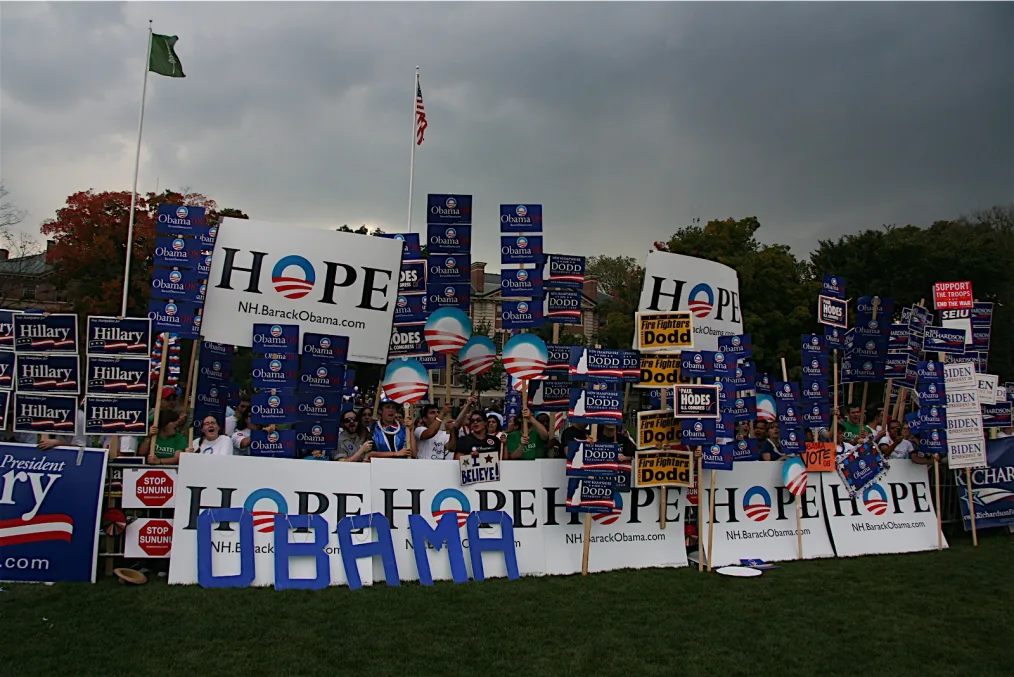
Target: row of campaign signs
{"x":536,"y":287}
{"x":240,"y":521}
{"x":40,"y":363}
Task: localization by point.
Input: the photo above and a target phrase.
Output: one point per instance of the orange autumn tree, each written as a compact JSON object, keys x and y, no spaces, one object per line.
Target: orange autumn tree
{"x":90,"y":245}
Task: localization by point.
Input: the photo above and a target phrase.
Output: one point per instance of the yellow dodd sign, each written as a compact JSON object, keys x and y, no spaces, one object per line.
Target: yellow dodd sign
{"x":664,"y":332}
{"x":664,"y":469}
{"x":660,"y":371}
{"x":656,"y":428}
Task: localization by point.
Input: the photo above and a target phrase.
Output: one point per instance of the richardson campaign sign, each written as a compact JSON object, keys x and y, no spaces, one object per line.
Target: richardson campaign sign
{"x":324,"y":281}
{"x":49,"y":513}
{"x":893,"y":515}
{"x":264,"y":487}
{"x":709,"y":290}
{"x":755,"y":517}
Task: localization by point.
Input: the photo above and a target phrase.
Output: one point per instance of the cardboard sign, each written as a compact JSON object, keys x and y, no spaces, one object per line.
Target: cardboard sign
{"x":819,"y":457}
{"x":952,"y":295}
{"x":697,"y":401}
{"x":657,"y":428}
{"x":833,"y":312}
{"x":664,"y":332}
{"x":481,"y":468}
{"x":660,"y":371}
{"x":987,"y":388}
{"x":664,"y":469}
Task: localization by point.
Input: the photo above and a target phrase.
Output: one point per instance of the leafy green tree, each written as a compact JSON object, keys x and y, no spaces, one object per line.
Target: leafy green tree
{"x":611,"y":271}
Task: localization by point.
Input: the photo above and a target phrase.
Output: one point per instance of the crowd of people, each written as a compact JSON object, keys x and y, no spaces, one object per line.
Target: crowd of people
{"x":446,"y":433}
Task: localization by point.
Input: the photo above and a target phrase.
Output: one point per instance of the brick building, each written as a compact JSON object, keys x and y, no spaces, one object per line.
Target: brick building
{"x":28,"y":282}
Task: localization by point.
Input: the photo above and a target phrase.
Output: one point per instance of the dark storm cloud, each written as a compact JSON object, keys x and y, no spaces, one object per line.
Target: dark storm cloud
{"x":624,"y":120}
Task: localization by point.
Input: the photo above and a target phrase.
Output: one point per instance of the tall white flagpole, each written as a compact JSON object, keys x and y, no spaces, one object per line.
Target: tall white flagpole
{"x":411,"y":162}
{"x":137,"y":165}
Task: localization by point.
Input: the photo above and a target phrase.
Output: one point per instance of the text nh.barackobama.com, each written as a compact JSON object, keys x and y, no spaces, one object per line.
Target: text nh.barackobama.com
{"x":265,"y":310}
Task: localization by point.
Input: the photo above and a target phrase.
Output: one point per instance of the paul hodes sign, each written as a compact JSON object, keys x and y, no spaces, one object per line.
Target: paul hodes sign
{"x":710,"y":291}
{"x":324,"y":281}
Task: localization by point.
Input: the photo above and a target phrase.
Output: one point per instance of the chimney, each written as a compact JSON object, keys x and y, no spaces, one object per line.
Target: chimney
{"x":591,"y":287}
{"x":49,"y":245}
{"x":478,"y":274}
{"x":4,"y":254}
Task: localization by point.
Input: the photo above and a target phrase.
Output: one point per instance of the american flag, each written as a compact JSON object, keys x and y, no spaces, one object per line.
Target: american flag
{"x":420,"y":115}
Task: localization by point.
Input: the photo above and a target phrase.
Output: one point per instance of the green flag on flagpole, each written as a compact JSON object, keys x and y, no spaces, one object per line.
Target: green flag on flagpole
{"x":163,"y":59}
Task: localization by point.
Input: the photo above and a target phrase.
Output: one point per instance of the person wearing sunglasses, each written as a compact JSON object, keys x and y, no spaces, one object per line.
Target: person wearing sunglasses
{"x":478,"y":440}
{"x":353,"y":445}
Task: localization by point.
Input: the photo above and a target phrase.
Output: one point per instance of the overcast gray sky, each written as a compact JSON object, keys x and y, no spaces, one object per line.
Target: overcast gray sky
{"x":624,"y":120}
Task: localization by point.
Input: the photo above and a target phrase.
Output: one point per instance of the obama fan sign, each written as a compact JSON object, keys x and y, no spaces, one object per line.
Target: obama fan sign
{"x":710,"y":291}
{"x":325,"y":281}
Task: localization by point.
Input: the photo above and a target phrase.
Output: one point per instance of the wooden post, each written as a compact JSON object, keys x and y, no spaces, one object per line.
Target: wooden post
{"x":798,"y":500}
{"x":862,"y":409}
{"x":158,"y":391}
{"x":711,"y":516}
{"x":663,"y":492}
{"x":971,"y":505}
{"x":410,"y":430}
{"x":376,"y":400}
{"x":447,"y":382}
{"x":940,"y":518}
{"x":834,"y":415}
{"x":553,"y":415}
{"x":700,"y":510}
{"x":192,"y":390}
{"x":586,"y":541}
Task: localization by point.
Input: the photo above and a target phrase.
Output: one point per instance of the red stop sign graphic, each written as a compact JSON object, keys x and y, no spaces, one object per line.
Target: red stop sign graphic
{"x":155,"y":538}
{"x":154,"y":488}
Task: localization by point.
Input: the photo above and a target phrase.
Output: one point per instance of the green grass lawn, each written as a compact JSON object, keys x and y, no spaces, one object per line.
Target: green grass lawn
{"x":921,"y":614}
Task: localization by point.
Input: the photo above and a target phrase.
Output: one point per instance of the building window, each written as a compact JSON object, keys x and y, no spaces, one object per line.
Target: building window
{"x":28,"y":292}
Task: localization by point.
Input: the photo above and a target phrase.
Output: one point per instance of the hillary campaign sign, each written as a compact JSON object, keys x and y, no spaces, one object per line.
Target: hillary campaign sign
{"x":45,"y":414}
{"x":50,"y":503}
{"x":47,"y":373}
{"x":116,"y":415}
{"x":710,"y":291}
{"x":115,"y":336}
{"x":45,"y":333}
{"x":117,"y":375}
{"x":324,"y":281}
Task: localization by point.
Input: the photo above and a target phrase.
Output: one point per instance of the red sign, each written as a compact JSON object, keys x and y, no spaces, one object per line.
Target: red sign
{"x":154,"y":488}
{"x":953,"y":295}
{"x":155,"y":538}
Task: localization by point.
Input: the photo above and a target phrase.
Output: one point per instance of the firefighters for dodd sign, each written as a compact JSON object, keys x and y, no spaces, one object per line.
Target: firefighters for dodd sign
{"x":324,"y":281}
{"x":664,"y":332}
{"x":710,"y":291}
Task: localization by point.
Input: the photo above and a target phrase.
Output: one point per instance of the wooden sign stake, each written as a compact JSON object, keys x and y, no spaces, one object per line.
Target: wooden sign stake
{"x":971,"y":506}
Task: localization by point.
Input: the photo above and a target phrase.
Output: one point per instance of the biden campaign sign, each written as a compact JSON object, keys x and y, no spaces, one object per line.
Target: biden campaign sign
{"x":708,"y":290}
{"x":324,"y":281}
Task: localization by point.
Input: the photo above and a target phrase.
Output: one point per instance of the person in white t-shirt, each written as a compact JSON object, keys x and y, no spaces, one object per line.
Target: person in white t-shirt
{"x":432,"y":433}
{"x":242,"y":411}
{"x":210,"y":441}
{"x":897,"y":443}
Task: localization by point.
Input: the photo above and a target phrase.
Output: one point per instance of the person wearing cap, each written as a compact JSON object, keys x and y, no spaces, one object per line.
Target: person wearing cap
{"x":390,"y":439}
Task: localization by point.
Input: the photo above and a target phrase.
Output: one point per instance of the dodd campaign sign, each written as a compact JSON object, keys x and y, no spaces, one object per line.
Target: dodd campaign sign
{"x":710,"y":291}
{"x":324,"y":281}
{"x":49,"y":513}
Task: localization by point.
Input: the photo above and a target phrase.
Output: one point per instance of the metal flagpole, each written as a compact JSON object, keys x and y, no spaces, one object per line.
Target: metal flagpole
{"x":411,"y":162}
{"x":137,"y":165}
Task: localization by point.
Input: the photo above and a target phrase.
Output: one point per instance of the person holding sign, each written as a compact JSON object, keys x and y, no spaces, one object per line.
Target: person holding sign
{"x":612,"y":435}
{"x":527,"y":447}
{"x":477,"y":441}
{"x":390,"y":440}
{"x":434,"y":432}
{"x":169,"y":441}
{"x":897,"y":443}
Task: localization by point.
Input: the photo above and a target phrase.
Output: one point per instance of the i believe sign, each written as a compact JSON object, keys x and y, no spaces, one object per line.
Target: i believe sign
{"x":324,"y":281}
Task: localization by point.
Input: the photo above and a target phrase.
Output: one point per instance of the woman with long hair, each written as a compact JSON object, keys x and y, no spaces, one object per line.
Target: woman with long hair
{"x":169,"y":441}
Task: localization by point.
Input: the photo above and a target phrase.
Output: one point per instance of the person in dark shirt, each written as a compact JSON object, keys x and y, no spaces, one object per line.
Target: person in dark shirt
{"x":572,"y":433}
{"x":478,"y":440}
{"x":611,"y":434}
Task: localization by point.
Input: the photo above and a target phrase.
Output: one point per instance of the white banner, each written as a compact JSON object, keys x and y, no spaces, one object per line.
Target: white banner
{"x":709,"y":290}
{"x":265,"y":486}
{"x":629,"y":539}
{"x":400,"y":487}
{"x":324,"y":281}
{"x":894,"y":515}
{"x":148,"y":487}
{"x":755,"y":517}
